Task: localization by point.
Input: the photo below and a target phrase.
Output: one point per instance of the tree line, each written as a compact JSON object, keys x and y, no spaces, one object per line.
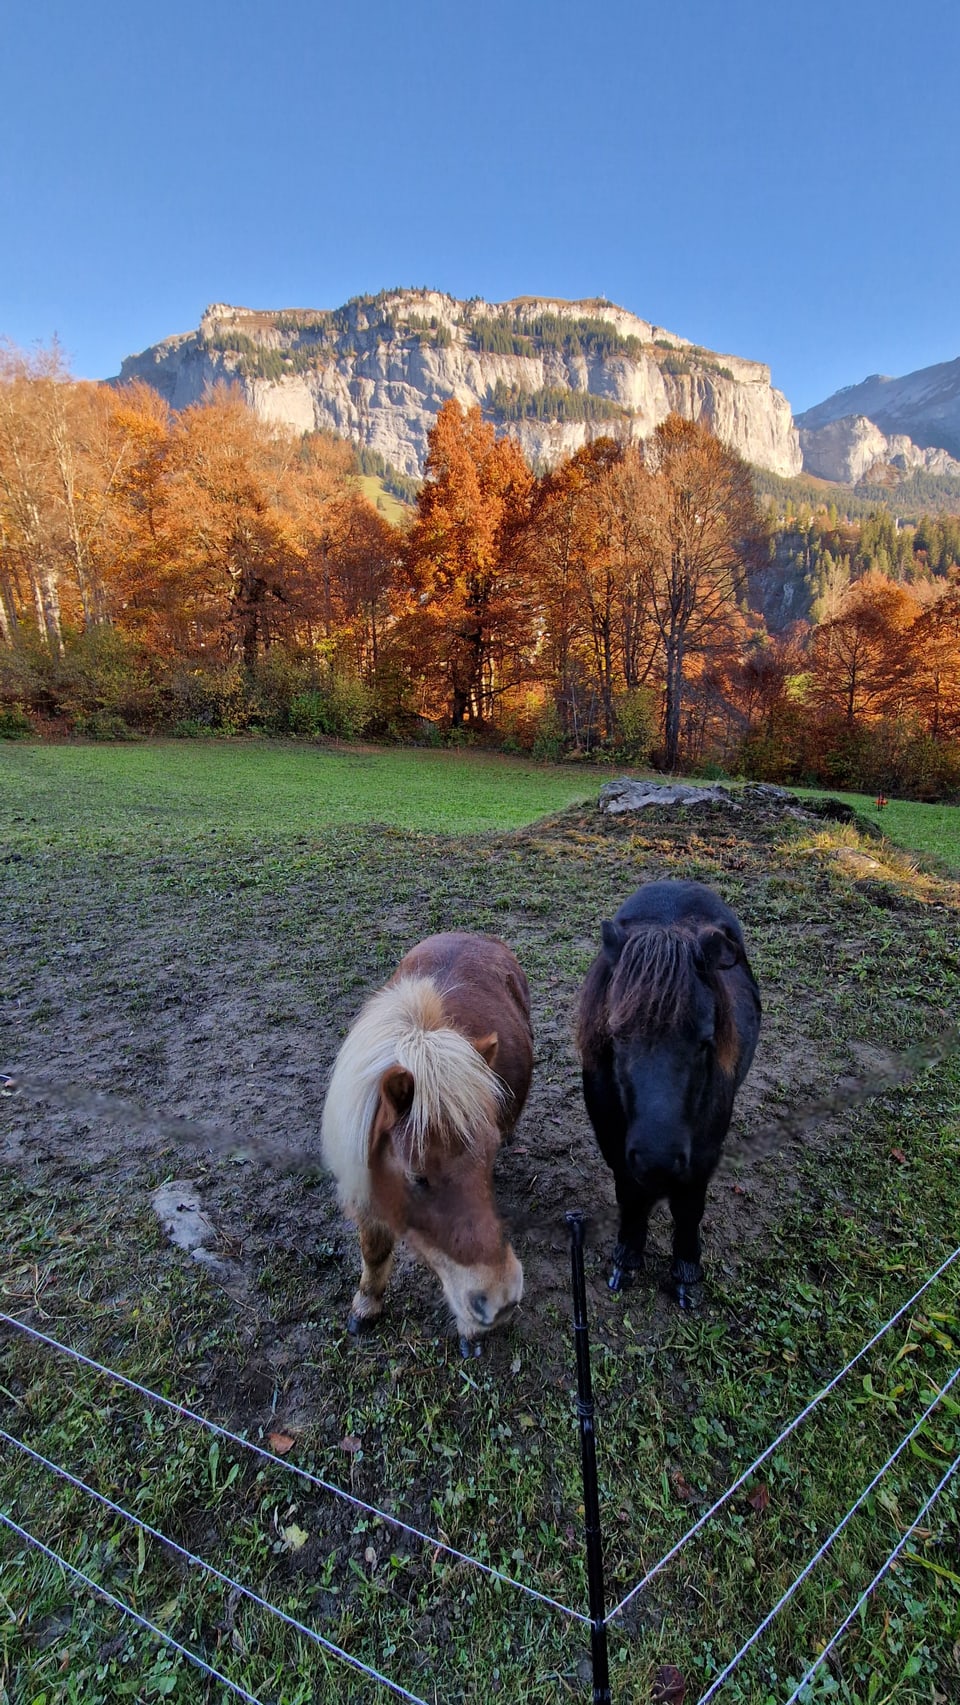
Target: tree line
{"x":205,"y":572}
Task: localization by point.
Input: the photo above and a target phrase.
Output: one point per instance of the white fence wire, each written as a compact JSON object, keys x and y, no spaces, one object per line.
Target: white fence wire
{"x":742,"y":1479}
{"x":293,"y":1468}
{"x":878,"y":1577}
{"x":128,"y":1610}
{"x":341,"y":1655}
{"x":218,"y":1574}
{"x":822,"y":1550}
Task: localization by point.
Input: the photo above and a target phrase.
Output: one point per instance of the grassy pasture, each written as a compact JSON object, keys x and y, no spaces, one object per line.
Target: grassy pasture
{"x":213,"y":976}
{"x":171,"y":789}
{"x":932,"y":830}
{"x":389,"y":506}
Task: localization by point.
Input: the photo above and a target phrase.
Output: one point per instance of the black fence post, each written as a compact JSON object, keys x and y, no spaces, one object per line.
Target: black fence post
{"x":588,"y":1460}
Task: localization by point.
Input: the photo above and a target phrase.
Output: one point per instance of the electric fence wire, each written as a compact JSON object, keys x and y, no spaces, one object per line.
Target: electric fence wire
{"x":294,"y":1468}
{"x":741,"y":1479}
{"x":719,"y":1680}
{"x":128,"y":1610}
{"x":200,"y":1563}
{"x":488,"y":1569}
{"x":878,"y":1577}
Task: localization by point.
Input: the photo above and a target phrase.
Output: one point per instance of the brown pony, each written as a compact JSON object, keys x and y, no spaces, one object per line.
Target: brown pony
{"x":431,"y":1077}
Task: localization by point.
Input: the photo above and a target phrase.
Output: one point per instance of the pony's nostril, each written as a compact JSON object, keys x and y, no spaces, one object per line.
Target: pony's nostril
{"x":479,"y":1306}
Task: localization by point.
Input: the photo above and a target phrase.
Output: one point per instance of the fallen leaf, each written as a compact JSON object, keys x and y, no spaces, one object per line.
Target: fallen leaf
{"x":281,"y":1443}
{"x":351,"y":1443}
{"x":294,"y":1537}
{"x":669,"y":1687}
{"x":684,"y":1489}
{"x":760,"y":1498}
{"x":898,"y":1154}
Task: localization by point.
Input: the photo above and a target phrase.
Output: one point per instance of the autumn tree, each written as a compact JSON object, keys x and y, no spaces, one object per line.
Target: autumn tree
{"x":238,"y":552}
{"x":362,"y":553}
{"x":465,"y":563}
{"x":145,"y":573}
{"x":702,"y":533}
{"x":28,"y":527}
{"x":862,"y":661}
{"x":566,"y":549}
{"x":935,"y":660}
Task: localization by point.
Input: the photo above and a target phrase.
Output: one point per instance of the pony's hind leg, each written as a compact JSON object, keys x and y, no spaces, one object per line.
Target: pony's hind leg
{"x":376,"y":1250}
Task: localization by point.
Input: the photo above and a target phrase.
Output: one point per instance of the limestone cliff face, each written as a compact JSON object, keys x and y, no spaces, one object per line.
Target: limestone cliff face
{"x":555,"y":374}
{"x":853,"y":448}
{"x":923,"y":406}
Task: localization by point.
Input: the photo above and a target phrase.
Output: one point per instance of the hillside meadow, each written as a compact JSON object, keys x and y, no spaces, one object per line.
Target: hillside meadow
{"x":187,"y":931}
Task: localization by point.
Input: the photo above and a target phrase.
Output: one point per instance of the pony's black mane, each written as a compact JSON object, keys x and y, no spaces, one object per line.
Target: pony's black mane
{"x":650,"y":989}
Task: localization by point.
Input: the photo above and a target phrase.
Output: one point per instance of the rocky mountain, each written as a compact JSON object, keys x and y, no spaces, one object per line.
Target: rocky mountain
{"x":556,"y":374}
{"x":853,"y":449}
{"x":908,"y":423}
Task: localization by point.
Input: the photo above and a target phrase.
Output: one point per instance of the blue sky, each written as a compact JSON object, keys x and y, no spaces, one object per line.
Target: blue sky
{"x":773,"y":179}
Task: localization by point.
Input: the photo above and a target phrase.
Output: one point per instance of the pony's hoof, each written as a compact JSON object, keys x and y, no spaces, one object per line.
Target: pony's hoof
{"x":358,"y":1324}
{"x":687,"y":1277}
{"x":470,"y":1347}
{"x":624,"y":1268}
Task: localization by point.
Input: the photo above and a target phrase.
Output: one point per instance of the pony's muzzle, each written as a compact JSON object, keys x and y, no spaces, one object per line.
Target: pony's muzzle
{"x":650,"y":1166}
{"x":489,"y":1313}
{"x":483,"y":1297}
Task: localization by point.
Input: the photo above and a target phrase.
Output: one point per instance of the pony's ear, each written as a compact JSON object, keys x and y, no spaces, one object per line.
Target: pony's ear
{"x":396,"y":1096}
{"x":613,"y":938}
{"x":487,"y":1047}
{"x":720,"y":949}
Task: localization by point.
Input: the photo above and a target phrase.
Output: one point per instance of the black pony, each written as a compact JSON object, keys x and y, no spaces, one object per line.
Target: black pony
{"x":669,"y":1019}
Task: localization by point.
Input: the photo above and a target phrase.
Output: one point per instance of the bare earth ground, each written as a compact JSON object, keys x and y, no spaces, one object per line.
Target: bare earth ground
{"x":214,"y":981}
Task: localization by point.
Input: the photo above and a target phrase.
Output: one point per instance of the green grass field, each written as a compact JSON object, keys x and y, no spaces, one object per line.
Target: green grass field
{"x":933,"y":830}
{"x":178,"y":788}
{"x":389,"y":506}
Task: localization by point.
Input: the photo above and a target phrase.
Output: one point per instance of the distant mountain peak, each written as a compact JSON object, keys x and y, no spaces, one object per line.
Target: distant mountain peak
{"x":923,"y":406}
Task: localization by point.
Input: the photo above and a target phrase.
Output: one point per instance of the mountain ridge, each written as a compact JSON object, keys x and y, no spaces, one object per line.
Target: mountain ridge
{"x":553,"y":372}
{"x":922,"y":406}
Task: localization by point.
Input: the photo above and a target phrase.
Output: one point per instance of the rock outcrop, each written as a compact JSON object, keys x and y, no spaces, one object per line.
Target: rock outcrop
{"x":628,"y":794}
{"x":853,"y":448}
{"x":556,"y":374}
{"x":923,"y":407}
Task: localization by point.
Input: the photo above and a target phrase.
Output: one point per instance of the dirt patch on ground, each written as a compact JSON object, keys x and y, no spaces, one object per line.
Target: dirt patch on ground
{"x":214,"y":986}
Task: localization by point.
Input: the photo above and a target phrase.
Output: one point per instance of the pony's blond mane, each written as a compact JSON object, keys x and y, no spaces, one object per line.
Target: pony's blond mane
{"x":454,"y":1090}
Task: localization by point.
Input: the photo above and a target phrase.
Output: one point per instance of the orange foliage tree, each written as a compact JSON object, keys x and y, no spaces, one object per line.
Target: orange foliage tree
{"x":936,"y":651}
{"x":470,"y":614}
{"x":862,"y":661}
{"x":701,"y":534}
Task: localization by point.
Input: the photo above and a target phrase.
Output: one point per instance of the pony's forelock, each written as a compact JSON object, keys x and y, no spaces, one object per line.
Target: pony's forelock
{"x":650,"y":988}
{"x":652,"y":982}
{"x":456,"y":1095}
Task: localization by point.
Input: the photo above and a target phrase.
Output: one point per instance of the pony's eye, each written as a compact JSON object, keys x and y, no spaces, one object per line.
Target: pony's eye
{"x":421,"y":1181}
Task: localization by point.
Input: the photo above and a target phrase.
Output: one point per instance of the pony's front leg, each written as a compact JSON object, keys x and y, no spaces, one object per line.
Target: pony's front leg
{"x":376,"y":1250}
{"x":687,"y":1207}
{"x":635,"y":1205}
